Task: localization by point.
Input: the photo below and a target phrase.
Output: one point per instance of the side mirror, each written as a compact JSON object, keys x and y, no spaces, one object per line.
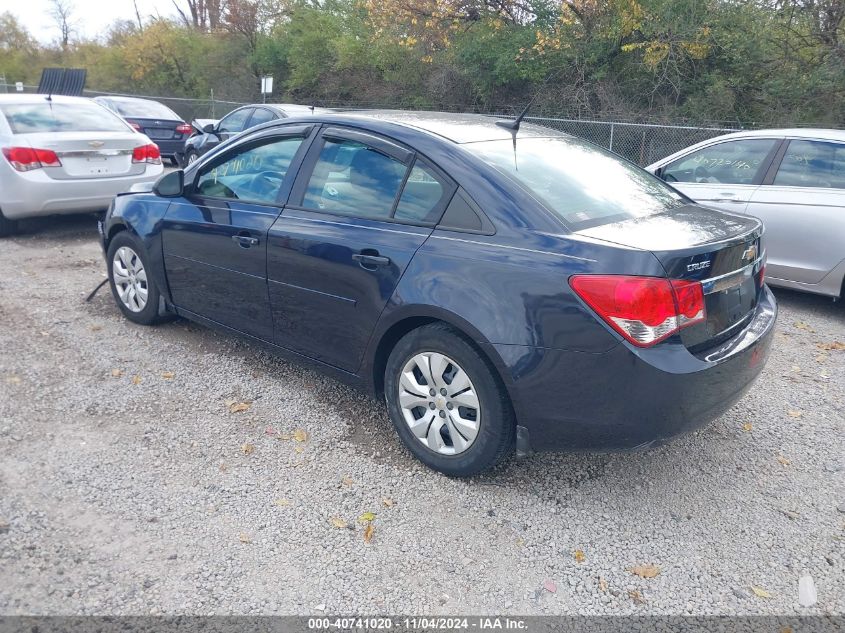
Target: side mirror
{"x":659,"y":172}
{"x":209,"y":129}
{"x":171,"y":185}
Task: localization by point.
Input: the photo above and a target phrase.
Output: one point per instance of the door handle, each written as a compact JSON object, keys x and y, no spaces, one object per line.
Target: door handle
{"x":368,"y":260}
{"x":245,"y":240}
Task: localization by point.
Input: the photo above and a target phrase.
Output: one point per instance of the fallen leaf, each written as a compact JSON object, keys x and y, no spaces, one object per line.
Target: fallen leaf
{"x":243,"y":537}
{"x":760,"y":593}
{"x":645,"y":571}
{"x":783,"y":460}
{"x":550,"y":586}
{"x":603,"y":584}
{"x":793,"y":413}
{"x":116,"y":373}
{"x":347,"y":481}
{"x":796,"y":368}
{"x":136,"y":380}
{"x":269,"y":431}
{"x":636,"y":596}
{"x":45,"y":334}
{"x":282,"y":503}
{"x":284,"y":436}
{"x":167,"y":375}
{"x":579,"y":556}
{"x":520,"y":541}
{"x":223,"y":468}
{"x":387,"y":502}
{"x":790,"y":514}
{"x":95,"y":328}
{"x":803,"y":326}
{"x":747,"y":426}
{"x":248,"y":449}
{"x":299,"y":435}
{"x":829,"y":346}
{"x":366,"y":517}
{"x":237,"y":407}
{"x":299,"y":449}
{"x":338,"y":523}
{"x":13,"y":380}
{"x":368,"y":532}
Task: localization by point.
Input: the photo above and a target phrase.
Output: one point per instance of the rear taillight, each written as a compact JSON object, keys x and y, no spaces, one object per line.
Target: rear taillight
{"x":762,"y":279}
{"x":184,"y":128}
{"x":28,"y":158}
{"x":147,"y":154}
{"x":645,"y":310}
{"x":135,"y":126}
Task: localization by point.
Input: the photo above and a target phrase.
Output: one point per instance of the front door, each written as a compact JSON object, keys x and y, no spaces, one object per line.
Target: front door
{"x":215,"y":237}
{"x":723,"y":175}
{"x":361,"y":208}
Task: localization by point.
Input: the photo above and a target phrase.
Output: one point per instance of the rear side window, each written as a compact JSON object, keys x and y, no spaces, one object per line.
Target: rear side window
{"x":812,"y":164}
{"x":32,"y":118}
{"x":261,"y":115}
{"x":423,"y":196}
{"x":143,"y":109}
{"x":352,"y":178}
{"x":732,"y":162}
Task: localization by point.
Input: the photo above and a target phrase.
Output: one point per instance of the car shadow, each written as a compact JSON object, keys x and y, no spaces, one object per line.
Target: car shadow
{"x":58,"y":227}
{"x":812,"y":303}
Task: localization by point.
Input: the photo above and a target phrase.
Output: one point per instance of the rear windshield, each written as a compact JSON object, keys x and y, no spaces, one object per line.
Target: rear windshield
{"x":583,"y":184}
{"x":28,"y":118}
{"x":145,"y":110}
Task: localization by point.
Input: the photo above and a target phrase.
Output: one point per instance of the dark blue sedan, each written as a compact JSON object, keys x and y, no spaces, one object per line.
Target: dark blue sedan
{"x":501,"y":288}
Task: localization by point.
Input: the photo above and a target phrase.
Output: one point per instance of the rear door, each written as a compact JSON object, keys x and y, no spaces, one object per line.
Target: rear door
{"x":802,"y":204}
{"x":360,"y":209}
{"x":215,"y":237}
{"x":723,"y":175}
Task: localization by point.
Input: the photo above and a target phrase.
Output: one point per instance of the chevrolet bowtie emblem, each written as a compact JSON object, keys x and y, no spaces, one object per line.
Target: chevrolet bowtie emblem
{"x":750,"y":253}
{"x":96,"y":144}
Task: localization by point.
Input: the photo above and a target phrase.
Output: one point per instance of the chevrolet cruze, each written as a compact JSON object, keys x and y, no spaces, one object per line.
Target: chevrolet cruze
{"x":502,"y":287}
{"x":66,"y":155}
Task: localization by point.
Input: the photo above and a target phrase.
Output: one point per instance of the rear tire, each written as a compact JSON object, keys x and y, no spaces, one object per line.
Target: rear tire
{"x":131,"y":280}
{"x":458,"y":421}
{"x":7,"y":227}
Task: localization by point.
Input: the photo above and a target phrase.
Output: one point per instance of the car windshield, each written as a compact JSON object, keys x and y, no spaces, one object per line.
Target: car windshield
{"x":144,"y":109}
{"x":583,"y":184}
{"x":29,"y":118}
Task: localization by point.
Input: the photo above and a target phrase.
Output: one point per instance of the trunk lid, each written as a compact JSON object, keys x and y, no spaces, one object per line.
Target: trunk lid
{"x":90,"y":154}
{"x":158,"y":129}
{"x":723,"y":251}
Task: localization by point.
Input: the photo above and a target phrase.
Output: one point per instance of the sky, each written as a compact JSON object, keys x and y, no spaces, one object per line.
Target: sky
{"x":91,"y":17}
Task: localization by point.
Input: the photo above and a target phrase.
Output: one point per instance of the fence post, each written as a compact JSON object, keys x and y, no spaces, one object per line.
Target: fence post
{"x":212,"y":104}
{"x":611,"y":138}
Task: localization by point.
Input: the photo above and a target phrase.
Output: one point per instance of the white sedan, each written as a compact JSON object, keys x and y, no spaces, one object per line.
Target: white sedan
{"x":66,"y":155}
{"x":793,"y":180}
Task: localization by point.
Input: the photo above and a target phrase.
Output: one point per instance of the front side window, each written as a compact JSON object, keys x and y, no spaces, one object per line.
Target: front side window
{"x":234,"y":122}
{"x":352,"y":178}
{"x":30,"y":118}
{"x":255,"y":173}
{"x":812,"y":164}
{"x":583,"y":184}
{"x":732,"y":162}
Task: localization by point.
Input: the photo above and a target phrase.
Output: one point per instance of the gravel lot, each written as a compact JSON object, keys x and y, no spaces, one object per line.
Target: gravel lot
{"x":128,"y":487}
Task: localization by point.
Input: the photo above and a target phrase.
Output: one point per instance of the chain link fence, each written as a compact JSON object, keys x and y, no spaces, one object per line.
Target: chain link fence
{"x":642,"y":143}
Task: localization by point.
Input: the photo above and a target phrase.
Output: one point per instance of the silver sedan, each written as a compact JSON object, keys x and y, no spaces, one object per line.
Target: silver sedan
{"x":793,"y":180}
{"x":66,"y":155}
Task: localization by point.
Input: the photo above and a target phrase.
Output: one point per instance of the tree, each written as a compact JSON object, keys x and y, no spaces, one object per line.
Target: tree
{"x":62,"y":13}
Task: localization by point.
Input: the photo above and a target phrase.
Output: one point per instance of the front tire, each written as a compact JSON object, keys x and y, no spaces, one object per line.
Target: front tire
{"x":446,"y":402}
{"x":131,"y":280}
{"x":190,"y":157}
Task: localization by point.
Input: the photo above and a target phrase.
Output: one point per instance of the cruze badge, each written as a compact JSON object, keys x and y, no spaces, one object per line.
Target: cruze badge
{"x":698,"y":266}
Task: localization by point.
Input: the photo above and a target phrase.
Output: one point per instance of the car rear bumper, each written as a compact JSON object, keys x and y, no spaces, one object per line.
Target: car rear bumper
{"x":32,"y":194}
{"x":629,"y":398}
{"x":170,"y":148}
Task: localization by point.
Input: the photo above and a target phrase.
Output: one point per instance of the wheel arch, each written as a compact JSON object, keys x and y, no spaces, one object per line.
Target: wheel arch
{"x":409,"y":318}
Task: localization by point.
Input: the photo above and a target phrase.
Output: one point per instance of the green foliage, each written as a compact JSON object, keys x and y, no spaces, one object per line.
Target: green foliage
{"x":708,"y":60}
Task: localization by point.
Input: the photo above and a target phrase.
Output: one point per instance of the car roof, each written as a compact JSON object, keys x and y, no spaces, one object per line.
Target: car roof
{"x":799,"y":132}
{"x":458,"y":128}
{"x":126,"y":99}
{"x":37,"y":98}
